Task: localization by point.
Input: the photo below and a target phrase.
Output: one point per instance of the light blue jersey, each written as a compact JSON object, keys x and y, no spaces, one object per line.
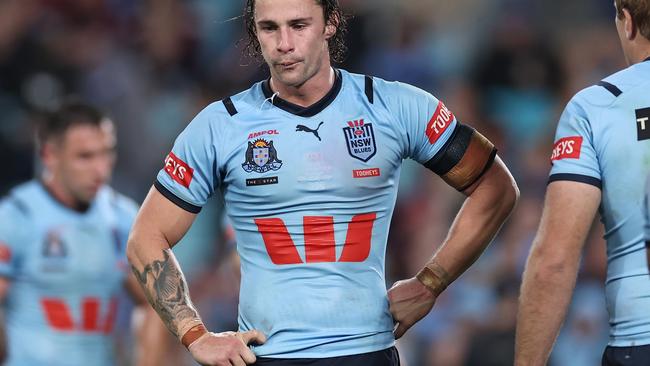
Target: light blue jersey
{"x":310,"y":193}
{"x":603,"y":139}
{"x":66,"y":270}
{"x":646,"y":212}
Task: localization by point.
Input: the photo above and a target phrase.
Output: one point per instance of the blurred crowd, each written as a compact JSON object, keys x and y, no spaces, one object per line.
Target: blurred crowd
{"x":506,"y":67}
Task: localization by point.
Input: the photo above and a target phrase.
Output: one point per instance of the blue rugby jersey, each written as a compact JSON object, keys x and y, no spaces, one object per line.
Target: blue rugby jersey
{"x":66,"y":270}
{"x":603,"y":139}
{"x":310,"y":194}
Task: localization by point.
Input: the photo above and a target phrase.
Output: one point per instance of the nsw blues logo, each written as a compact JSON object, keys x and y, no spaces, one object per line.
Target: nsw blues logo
{"x":261,"y":157}
{"x":360,"y":139}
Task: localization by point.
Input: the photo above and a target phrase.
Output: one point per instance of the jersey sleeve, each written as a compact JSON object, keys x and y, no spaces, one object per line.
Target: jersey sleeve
{"x":574,"y":156}
{"x":12,"y":237}
{"x":189,"y":176}
{"x":427,"y":122}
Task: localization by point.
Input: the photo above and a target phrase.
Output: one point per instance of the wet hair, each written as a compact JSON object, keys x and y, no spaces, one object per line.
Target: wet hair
{"x":640,"y":12}
{"x":333,"y":16}
{"x":71,"y":113}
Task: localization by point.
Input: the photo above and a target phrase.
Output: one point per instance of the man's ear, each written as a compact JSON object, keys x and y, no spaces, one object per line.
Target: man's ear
{"x":330,"y":31}
{"x":49,"y":154}
{"x":628,"y":24}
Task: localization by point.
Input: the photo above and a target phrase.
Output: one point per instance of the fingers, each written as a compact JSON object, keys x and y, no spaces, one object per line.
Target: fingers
{"x":248,"y":356}
{"x":253,"y":336}
{"x":400,"y":329}
{"x":238,"y":362}
{"x":248,"y":337}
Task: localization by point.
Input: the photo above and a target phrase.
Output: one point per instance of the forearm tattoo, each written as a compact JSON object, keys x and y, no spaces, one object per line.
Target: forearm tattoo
{"x":166,"y":289}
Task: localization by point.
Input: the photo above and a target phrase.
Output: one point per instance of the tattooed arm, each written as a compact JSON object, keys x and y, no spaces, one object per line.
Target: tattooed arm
{"x":160,"y":224}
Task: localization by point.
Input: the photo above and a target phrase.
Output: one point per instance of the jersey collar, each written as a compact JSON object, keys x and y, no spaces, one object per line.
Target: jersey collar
{"x":647,"y":59}
{"x":300,"y":111}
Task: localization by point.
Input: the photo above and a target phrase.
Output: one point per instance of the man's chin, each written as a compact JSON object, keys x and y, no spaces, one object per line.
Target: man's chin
{"x":291,"y":77}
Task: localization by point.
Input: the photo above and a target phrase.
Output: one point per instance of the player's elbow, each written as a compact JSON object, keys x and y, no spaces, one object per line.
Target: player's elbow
{"x":511,"y":194}
{"x":132,"y":249}
{"x":547,"y":265}
{"x":506,"y":192}
{"x":134,"y":246}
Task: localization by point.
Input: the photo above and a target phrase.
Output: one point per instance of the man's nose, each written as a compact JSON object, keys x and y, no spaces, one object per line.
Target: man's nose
{"x":285,"y":41}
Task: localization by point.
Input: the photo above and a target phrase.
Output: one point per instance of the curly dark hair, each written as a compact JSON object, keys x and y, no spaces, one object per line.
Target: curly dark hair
{"x":333,"y":15}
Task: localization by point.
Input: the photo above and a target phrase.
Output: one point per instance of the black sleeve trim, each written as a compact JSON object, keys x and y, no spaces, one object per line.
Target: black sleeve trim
{"x":453,"y":150}
{"x":487,"y":167}
{"x":370,"y":93}
{"x":576,"y":178}
{"x":230,"y":107}
{"x":611,"y":88}
{"x":647,"y":244}
{"x":177,"y":201}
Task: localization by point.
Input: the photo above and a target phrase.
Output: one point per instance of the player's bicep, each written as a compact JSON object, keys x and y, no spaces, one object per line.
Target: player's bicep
{"x":464,"y":158}
{"x":159,"y":221}
{"x":569,"y":211}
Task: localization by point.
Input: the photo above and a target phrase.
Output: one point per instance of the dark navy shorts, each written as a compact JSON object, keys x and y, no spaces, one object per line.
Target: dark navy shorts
{"x":387,"y":357}
{"x":626,"y":356}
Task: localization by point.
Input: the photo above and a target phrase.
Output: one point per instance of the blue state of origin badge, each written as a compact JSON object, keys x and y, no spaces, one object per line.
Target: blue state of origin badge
{"x":360,"y":139}
{"x":261,"y":157}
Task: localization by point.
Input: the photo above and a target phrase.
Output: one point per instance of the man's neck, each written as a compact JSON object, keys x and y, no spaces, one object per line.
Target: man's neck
{"x":60,"y":195}
{"x":642,"y":50}
{"x":310,"y":92}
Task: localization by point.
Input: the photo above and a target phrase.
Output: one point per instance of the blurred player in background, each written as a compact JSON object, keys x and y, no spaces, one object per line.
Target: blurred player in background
{"x":62,"y":248}
{"x":307,"y":162}
{"x":600,"y":161}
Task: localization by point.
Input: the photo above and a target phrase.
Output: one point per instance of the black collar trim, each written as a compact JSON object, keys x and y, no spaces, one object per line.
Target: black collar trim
{"x":313,"y":109}
{"x":647,"y":59}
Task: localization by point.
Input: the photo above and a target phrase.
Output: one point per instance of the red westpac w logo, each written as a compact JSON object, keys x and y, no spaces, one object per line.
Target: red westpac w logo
{"x":319,"y":239}
{"x":60,"y":316}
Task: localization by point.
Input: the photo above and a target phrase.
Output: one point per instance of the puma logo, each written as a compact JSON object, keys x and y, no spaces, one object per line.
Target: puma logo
{"x":307,"y":129}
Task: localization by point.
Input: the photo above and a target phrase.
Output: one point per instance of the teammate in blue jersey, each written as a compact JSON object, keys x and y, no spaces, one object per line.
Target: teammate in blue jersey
{"x":62,"y":248}
{"x":599,"y":163}
{"x":308,"y":162}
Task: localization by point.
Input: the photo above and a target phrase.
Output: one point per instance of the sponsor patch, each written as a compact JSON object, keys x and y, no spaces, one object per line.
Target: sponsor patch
{"x":5,"y":253}
{"x":643,"y":124}
{"x":366,"y":173}
{"x":439,"y":122}
{"x":261,"y":181}
{"x":567,"y":148}
{"x":360,"y":140}
{"x":178,"y":170}
{"x":261,"y":157}
{"x":262,"y":133}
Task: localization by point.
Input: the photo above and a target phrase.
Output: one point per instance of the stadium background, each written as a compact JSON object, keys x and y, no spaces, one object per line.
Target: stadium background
{"x":506,"y":67}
